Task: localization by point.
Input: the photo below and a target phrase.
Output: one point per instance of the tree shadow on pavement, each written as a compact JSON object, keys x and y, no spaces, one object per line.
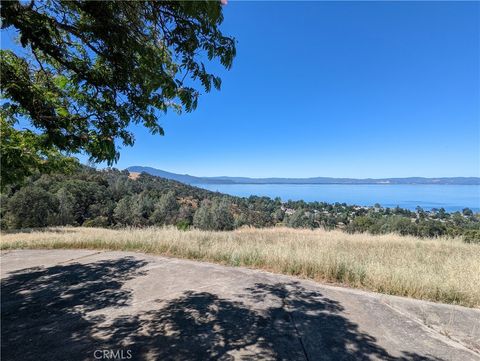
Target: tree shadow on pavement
{"x":55,"y":313}
{"x":43,"y":309}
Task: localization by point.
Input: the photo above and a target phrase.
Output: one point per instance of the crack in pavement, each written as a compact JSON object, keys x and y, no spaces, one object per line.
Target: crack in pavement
{"x":81,"y":257}
{"x":285,"y":307}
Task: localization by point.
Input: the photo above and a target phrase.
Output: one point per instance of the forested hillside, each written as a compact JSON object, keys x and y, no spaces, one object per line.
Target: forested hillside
{"x":113,"y":198}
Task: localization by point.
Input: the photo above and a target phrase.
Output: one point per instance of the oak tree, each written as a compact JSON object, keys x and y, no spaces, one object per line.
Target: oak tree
{"x":86,"y":70}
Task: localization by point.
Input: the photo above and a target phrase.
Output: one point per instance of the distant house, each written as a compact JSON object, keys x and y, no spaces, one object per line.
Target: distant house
{"x":289,"y":211}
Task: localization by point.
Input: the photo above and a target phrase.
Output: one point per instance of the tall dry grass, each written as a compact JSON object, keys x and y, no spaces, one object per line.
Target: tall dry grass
{"x":444,"y":270}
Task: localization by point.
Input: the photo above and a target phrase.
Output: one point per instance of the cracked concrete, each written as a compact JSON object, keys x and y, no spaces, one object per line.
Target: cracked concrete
{"x":67,"y":304}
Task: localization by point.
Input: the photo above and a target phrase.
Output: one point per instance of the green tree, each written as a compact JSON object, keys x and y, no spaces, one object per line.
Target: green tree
{"x":431,"y":229}
{"x":66,"y":204}
{"x":399,"y":224}
{"x":32,"y":206}
{"x":23,"y":154}
{"x":239,"y":220}
{"x":222,"y":218}
{"x":185,"y":215}
{"x":166,"y":209}
{"x":472,"y":236}
{"x":142,"y":209}
{"x":278,"y":215}
{"x":203,"y":218}
{"x":87,"y":197}
{"x":361,"y":224}
{"x":3,"y":211}
{"x":123,"y":212}
{"x":94,"y":67}
{"x":298,"y":219}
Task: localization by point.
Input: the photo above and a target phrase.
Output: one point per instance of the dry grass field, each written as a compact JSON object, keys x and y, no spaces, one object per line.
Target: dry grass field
{"x":442,"y":270}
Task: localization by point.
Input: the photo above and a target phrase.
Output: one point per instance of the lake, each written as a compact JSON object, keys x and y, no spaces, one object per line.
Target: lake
{"x":450,"y":197}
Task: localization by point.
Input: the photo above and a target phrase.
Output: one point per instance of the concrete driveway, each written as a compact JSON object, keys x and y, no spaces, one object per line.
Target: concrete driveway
{"x":88,"y":305}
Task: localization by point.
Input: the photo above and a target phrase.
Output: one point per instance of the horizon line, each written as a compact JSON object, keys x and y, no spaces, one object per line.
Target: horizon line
{"x":296,"y":177}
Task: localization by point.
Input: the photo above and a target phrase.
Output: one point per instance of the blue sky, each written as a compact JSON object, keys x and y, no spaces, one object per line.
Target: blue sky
{"x":363,"y":89}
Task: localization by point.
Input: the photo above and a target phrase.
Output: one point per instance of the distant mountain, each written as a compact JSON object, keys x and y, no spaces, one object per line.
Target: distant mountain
{"x":184,"y":178}
{"x":189,"y":179}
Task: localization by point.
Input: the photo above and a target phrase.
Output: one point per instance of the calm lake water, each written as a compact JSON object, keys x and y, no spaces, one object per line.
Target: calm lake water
{"x":450,"y":197}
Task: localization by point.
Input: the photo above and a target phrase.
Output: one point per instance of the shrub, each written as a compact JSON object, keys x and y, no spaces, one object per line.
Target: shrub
{"x":100,"y":221}
{"x":472,"y":236}
{"x":183,"y":225}
{"x":361,"y":224}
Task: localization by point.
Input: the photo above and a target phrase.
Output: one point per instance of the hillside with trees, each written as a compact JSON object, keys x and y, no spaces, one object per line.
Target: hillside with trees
{"x":114,"y":198}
